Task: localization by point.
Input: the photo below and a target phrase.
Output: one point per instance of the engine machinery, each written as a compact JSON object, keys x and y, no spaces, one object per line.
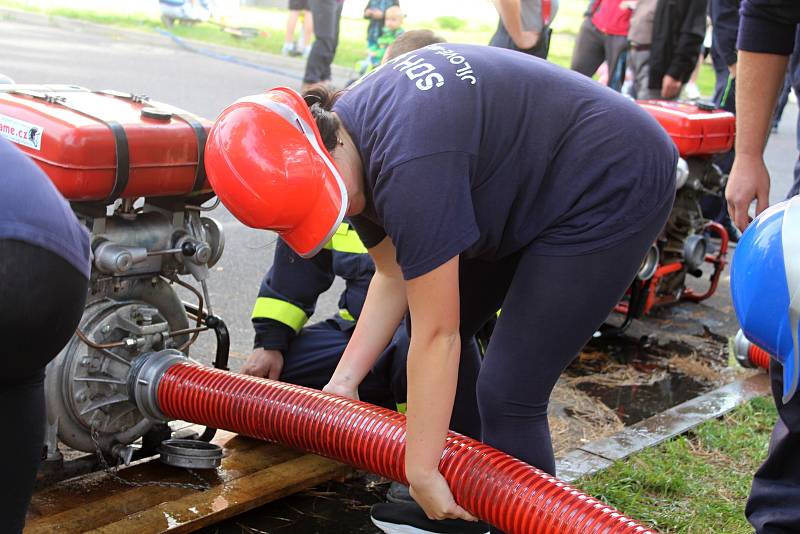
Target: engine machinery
{"x":132,"y":171}
{"x":699,"y":131}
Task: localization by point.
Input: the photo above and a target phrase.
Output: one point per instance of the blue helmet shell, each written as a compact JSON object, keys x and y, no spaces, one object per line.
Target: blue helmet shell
{"x":765,"y":285}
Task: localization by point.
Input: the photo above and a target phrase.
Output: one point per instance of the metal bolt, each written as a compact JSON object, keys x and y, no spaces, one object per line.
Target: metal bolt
{"x":81,"y":397}
{"x":106,"y":329}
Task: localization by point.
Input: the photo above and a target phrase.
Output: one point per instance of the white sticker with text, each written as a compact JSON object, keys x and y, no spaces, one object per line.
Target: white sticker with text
{"x":21,"y":132}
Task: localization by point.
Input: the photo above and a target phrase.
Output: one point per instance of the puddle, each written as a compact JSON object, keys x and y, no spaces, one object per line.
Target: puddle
{"x":332,"y":508}
{"x":639,"y":378}
{"x":633,"y":403}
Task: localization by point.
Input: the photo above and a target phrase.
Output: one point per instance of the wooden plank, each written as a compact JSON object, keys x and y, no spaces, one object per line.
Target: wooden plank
{"x":83,"y":490}
{"x":79,"y":506}
{"x":222,"y":502}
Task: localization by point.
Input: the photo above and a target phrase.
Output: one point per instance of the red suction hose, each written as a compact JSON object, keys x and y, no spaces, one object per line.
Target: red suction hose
{"x":758,"y":356}
{"x":749,"y":354}
{"x":499,"y":489}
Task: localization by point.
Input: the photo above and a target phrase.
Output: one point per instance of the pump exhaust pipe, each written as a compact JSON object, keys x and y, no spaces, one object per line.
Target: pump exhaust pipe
{"x":499,"y":489}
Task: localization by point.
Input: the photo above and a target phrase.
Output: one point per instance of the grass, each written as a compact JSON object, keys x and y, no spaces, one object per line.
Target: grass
{"x":271,"y":23}
{"x":695,"y":483}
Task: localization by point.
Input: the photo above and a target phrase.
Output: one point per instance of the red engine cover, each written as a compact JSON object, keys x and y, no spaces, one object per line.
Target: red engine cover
{"x":693,"y":130}
{"x":67,"y":131}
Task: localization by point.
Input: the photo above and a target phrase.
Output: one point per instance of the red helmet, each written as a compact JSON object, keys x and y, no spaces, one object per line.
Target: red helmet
{"x":267,"y":163}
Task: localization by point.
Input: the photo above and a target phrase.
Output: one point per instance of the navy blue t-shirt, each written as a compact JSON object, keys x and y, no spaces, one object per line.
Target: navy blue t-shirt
{"x":33,"y":211}
{"x":482,"y":152}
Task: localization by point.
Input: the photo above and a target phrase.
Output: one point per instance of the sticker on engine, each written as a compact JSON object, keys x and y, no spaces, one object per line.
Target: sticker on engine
{"x":21,"y":132}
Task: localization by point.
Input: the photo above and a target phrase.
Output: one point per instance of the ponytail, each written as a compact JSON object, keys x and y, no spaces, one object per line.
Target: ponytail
{"x":320,"y":101}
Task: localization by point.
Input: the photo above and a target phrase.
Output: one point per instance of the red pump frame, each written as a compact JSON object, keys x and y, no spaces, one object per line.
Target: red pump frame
{"x":651,"y":297}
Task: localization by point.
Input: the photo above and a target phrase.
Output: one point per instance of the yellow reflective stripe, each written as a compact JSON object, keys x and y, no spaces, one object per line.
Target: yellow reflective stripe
{"x":346,"y":315}
{"x":281,"y":311}
{"x":401,"y":407}
{"x":346,"y":240}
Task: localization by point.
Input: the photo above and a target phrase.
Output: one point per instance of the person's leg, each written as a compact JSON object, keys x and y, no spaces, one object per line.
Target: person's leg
{"x":794,"y":69}
{"x":715,"y":207}
{"x":640,"y":64}
{"x":318,"y":65}
{"x":23,"y":399}
{"x":783,"y":99}
{"x":41,"y":301}
{"x":553,"y":306}
{"x":337,"y":25}
{"x":483,"y":285}
{"x":721,"y":75}
{"x":308,"y":32}
{"x":690,"y":90}
{"x":589,"y":52}
{"x":291,"y":22}
{"x":774,"y":503}
{"x":616,"y":53}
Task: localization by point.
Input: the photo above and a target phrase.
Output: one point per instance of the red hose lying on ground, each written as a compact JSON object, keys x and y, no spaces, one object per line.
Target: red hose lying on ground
{"x":497,"y":488}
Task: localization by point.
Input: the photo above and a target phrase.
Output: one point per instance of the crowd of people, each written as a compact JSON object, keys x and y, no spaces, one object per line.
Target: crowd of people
{"x":513,"y":184}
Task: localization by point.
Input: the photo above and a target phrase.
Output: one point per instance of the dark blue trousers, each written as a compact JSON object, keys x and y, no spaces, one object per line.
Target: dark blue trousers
{"x":551,"y":306}
{"x":774,"y":503}
{"x":41,"y":301}
{"x":794,"y":72}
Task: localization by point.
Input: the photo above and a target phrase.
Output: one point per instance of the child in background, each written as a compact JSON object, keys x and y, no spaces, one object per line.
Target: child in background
{"x":303,"y":46}
{"x":375,"y":12}
{"x":392,"y":30}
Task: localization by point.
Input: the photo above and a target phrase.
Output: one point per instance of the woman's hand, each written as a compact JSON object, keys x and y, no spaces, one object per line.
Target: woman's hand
{"x":433,"y":494}
{"x":345,"y":390}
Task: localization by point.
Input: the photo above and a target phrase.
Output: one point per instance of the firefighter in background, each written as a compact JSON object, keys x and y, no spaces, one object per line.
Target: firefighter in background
{"x":284,"y":349}
{"x":287,"y":350}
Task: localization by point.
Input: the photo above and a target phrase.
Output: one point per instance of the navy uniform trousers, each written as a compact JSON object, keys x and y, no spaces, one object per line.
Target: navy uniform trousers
{"x":774,"y":503}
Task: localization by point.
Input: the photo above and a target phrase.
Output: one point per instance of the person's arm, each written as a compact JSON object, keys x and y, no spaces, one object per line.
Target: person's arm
{"x":433,"y":359}
{"x":286,"y":299}
{"x":687,"y":48}
{"x":759,"y":78}
{"x":766,"y":38}
{"x":511,"y":15}
{"x":383,"y":310}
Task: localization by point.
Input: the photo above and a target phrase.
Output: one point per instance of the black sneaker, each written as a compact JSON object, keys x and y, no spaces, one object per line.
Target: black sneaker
{"x":408,"y":518}
{"x":398,"y":493}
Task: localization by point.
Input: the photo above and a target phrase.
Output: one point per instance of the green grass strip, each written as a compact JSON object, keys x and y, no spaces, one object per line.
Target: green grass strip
{"x":697,"y":482}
